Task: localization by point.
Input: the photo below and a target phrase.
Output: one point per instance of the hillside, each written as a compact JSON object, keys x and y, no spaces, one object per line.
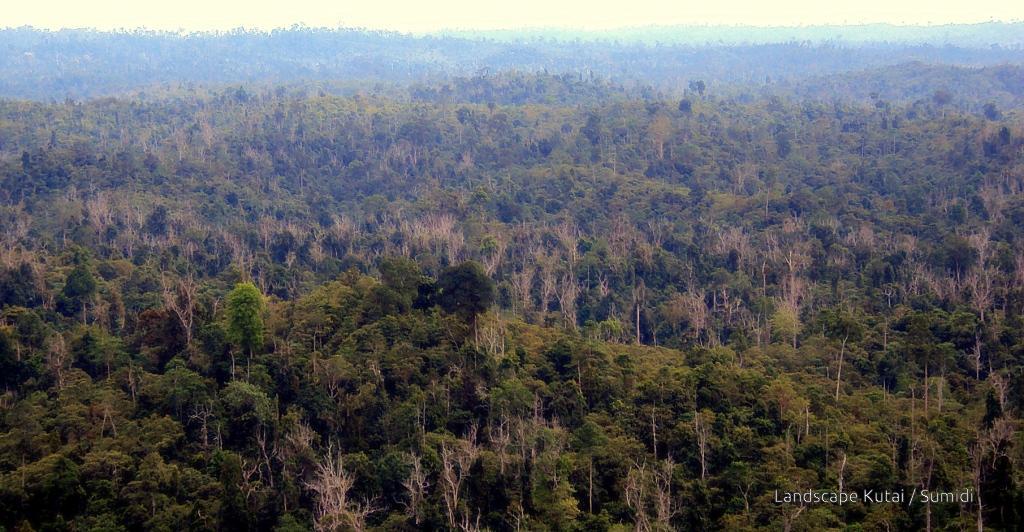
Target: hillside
{"x":509,"y":301}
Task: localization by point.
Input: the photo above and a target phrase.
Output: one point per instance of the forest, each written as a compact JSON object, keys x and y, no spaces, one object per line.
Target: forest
{"x":514,"y":300}
{"x":81,"y":64}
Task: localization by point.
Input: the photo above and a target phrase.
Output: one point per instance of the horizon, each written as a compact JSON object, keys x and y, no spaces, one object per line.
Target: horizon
{"x":193,"y":16}
{"x":617,"y":32}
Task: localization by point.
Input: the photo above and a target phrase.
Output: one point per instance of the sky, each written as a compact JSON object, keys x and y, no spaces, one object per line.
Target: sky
{"x":435,"y":15}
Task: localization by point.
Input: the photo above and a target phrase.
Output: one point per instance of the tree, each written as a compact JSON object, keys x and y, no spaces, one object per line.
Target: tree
{"x":247,"y":409}
{"x":659,"y":131}
{"x":921,"y":345}
{"x":786,"y":321}
{"x":180,"y":298}
{"x":404,"y":277}
{"x":698,"y":86}
{"x":842,"y":326}
{"x":97,"y":352}
{"x":18,"y":287}
{"x":957,"y":255}
{"x":10,"y":363}
{"x":456,"y":462}
{"x":156,"y":222}
{"x":245,"y":319}
{"x":416,"y":485}
{"x":592,"y":130}
{"x":992,"y":112}
{"x":465,"y":290}
{"x":336,"y":508}
{"x":79,"y":289}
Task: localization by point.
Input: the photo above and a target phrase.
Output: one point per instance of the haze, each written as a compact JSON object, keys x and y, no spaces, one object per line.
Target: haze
{"x":422,"y":17}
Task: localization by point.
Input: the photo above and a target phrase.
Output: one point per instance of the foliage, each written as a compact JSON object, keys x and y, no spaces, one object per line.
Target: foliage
{"x":498,"y":307}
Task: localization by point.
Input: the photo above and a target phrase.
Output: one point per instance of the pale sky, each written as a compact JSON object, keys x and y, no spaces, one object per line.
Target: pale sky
{"x":427,"y":15}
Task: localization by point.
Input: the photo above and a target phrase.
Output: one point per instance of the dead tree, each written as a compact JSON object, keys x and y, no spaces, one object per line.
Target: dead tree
{"x":456,"y":461}
{"x":180,"y":297}
{"x":335,"y":509}
{"x":702,"y":431}
{"x":57,"y":359}
{"x":416,"y":484}
{"x":636,"y":496}
{"x":522,"y":288}
{"x":548,"y":282}
{"x":568,"y":291}
{"x":665,"y":507}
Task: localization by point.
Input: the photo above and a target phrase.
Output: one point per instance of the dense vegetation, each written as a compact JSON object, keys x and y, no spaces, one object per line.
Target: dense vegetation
{"x":508,"y":302}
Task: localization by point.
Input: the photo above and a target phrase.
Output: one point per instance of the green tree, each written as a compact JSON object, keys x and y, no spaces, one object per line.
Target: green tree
{"x":10,"y":363}
{"x":465,"y":290}
{"x":79,"y":288}
{"x":403,"y":276}
{"x":18,"y":287}
{"x":786,"y":323}
{"x":245,"y":319}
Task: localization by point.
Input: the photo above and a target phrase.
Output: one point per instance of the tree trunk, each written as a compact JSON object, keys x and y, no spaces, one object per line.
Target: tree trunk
{"x":638,"y":324}
{"x":926,"y":390}
{"x":839,"y":370}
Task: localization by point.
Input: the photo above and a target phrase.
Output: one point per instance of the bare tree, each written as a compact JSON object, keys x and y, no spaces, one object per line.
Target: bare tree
{"x":495,"y":254}
{"x":702,"y":421}
{"x":648,"y":492}
{"x":335,"y":510}
{"x":735,"y":240}
{"x":180,"y":297}
{"x":202,"y":414}
{"x":456,"y":461}
{"x":100,"y":213}
{"x":698,"y":316}
{"x":994,"y":201}
{"x":344,"y":232}
{"x":636,"y":496}
{"x":548,"y":283}
{"x":639,"y":297}
{"x":665,"y":506}
{"x":416,"y":484}
{"x":659,"y":231}
{"x":522,"y":288}
{"x":57,"y":359}
{"x":568,"y":235}
{"x":659,"y":131}
{"x":839,"y":366}
{"x":490,"y":335}
{"x":982,"y":290}
{"x":977,"y":471}
{"x":743,"y":173}
{"x":797,"y":258}
{"x":568,"y":291}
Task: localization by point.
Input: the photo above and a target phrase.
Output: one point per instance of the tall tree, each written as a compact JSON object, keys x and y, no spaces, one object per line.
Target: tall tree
{"x":245,"y":319}
{"x":465,"y":290}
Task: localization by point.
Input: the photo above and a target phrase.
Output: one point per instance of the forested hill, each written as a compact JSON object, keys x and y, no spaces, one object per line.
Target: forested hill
{"x":483,"y":304}
{"x":982,"y":35}
{"x":971,"y":88}
{"x":79,"y":64}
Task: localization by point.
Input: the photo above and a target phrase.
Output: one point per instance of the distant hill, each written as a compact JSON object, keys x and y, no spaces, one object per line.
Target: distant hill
{"x":79,"y":64}
{"x":983,"y":35}
{"x":970,"y":88}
